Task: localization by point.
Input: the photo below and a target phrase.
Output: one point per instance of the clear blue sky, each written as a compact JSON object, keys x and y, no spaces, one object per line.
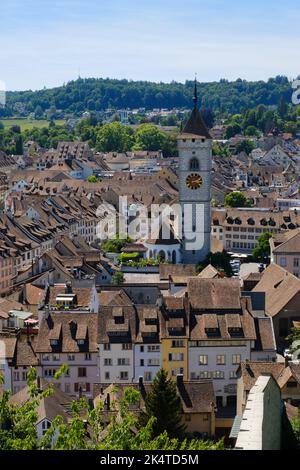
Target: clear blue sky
{"x":47,"y":42}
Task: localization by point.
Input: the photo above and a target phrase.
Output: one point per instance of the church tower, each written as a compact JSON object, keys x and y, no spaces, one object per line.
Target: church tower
{"x":195,"y":166}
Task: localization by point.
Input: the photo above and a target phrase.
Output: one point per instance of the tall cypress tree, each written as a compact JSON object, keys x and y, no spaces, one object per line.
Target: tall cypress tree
{"x":19,"y":145}
{"x":163,"y":402}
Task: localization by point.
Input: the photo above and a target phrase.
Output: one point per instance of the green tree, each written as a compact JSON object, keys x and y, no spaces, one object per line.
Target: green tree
{"x":116,"y":245}
{"x":251,"y":131}
{"x":291,"y":127}
{"x":114,"y":137}
{"x":92,"y":179}
{"x":163,"y":403}
{"x":282,"y":107}
{"x":118,"y":278}
{"x":219,"y":260}
{"x":245,"y":146}
{"x":293,"y":337}
{"x":38,"y":112}
{"x":149,"y":137}
{"x":84,"y":429}
{"x":262,"y":250}
{"x":232,"y":130}
{"x":236,"y":199}
{"x":19,"y":144}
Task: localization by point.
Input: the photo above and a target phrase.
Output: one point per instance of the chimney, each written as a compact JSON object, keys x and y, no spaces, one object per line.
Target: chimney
{"x":73,"y":328}
{"x":179,"y":380}
{"x":286,"y":361}
{"x":27,"y":332}
{"x":68,"y":287}
{"x":47,"y":312}
{"x":141,"y":382}
{"x":159,"y":301}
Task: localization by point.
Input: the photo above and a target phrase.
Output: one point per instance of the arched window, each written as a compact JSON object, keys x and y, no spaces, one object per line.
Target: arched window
{"x":194,"y":164}
{"x":162,"y":256}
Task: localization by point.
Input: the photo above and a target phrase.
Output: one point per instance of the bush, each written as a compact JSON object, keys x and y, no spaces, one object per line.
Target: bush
{"x":125,"y":257}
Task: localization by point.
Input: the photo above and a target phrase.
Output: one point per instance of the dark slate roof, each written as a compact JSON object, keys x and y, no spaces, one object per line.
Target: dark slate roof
{"x":258,"y":299}
{"x":196,"y":125}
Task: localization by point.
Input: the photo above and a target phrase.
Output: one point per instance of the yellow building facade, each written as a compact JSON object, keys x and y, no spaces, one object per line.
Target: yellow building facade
{"x":175,"y":356}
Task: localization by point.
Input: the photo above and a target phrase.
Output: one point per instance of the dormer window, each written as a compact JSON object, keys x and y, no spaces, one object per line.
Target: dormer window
{"x":194,"y":164}
{"x":212,"y":332}
{"x":53,"y":342}
{"x":236,"y":332}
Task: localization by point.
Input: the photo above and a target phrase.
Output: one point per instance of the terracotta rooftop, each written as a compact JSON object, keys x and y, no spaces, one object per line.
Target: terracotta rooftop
{"x":280,"y":287}
{"x":64,"y":327}
{"x":186,"y":270}
{"x":210,"y":294}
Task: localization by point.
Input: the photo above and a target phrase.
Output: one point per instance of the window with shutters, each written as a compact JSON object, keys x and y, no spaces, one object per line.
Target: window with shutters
{"x":202,"y":360}
{"x":220,"y":360}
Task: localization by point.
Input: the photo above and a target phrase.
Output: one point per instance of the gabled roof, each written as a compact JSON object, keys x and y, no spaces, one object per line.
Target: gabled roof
{"x":166,"y":270}
{"x":33,"y":295}
{"x":251,"y":370}
{"x":265,"y":334}
{"x":208,"y":273}
{"x":195,"y":396}
{"x":8,"y":347}
{"x":280,"y":287}
{"x":64,"y":326}
{"x":114,"y":298}
{"x":25,"y":352}
{"x":107,"y":323}
{"x":214,"y":293}
{"x":54,"y":405}
{"x":288,"y":242}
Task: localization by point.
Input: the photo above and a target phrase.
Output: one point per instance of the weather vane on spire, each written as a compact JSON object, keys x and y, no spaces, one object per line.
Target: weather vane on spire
{"x":195,"y":99}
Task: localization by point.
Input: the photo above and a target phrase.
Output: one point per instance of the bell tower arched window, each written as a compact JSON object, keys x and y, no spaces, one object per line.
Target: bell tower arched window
{"x":194,"y":164}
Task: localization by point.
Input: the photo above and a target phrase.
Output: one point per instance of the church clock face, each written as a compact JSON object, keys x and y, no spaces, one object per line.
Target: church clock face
{"x":194,"y":181}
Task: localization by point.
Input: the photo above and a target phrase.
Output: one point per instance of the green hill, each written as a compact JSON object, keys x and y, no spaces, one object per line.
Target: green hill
{"x":97,"y":95}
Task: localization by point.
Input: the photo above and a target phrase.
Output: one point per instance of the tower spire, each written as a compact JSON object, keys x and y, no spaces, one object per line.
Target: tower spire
{"x":195,"y":98}
{"x":195,"y":125}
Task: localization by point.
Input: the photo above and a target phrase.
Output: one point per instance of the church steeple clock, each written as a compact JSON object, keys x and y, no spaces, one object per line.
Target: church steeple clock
{"x":195,"y":166}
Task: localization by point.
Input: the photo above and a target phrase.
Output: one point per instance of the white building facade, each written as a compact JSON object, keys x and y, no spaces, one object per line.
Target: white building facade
{"x":147,"y":361}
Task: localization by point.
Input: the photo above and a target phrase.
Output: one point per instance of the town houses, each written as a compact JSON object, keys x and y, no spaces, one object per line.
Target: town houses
{"x":85,"y":283}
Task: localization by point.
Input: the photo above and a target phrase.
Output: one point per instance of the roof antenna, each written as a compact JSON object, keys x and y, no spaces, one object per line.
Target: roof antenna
{"x":195,"y":99}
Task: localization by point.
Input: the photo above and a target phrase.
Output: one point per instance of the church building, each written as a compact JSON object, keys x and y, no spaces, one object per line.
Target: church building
{"x":195,"y":166}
